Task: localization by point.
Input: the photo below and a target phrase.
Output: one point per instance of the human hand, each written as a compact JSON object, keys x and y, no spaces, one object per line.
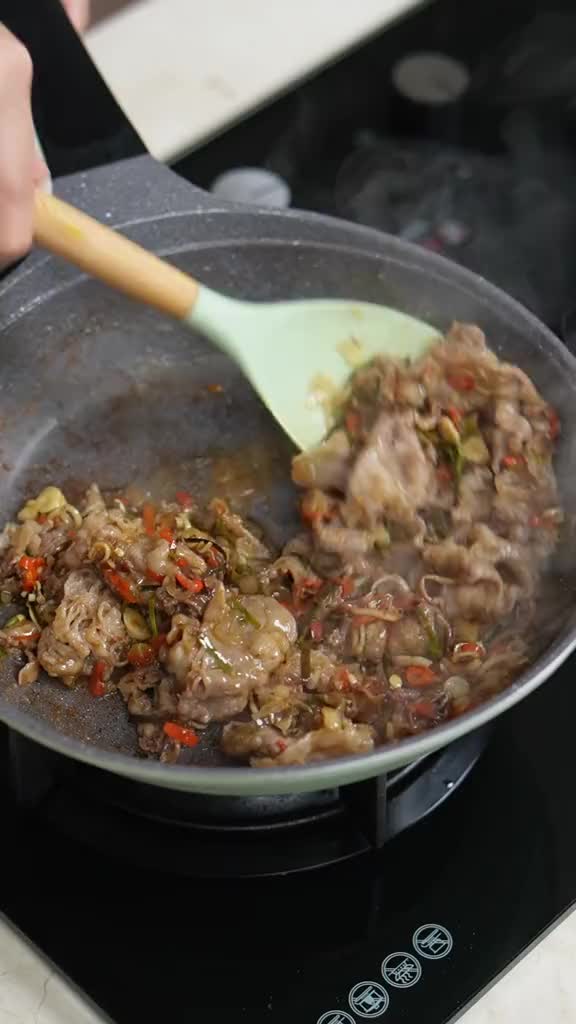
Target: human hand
{"x":21,"y":168}
{"x":79,"y":13}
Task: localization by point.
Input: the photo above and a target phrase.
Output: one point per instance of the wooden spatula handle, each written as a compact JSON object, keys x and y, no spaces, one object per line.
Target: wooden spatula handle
{"x":108,"y":255}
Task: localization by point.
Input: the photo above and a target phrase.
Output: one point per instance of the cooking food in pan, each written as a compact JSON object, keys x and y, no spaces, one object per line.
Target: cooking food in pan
{"x":410,"y":596}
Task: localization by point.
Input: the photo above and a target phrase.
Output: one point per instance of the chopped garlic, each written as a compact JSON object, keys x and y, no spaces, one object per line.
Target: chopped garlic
{"x":49,"y":500}
{"x":136,"y":624}
{"x":332,"y":718}
{"x":474,"y":450}
{"x":395,"y":681}
{"x":448,"y":431}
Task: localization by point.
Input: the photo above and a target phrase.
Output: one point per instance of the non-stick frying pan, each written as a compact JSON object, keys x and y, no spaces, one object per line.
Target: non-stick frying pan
{"x":93,"y":387}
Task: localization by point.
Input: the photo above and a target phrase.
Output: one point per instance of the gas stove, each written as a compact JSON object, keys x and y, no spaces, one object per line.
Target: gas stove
{"x":403,"y":898}
{"x":147,"y":903}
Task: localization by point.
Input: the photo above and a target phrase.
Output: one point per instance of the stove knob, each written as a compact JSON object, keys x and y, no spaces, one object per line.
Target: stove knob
{"x":252,"y":185}
{"x":426,"y":96}
{"x":431,"y":78}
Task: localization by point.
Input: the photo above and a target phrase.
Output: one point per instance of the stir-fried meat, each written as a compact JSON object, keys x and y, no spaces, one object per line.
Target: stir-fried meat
{"x":325,"y":467}
{"x":391,"y":476}
{"x":337,"y":736}
{"x":429,"y":514}
{"x":87,"y":625}
{"x":238,"y":645}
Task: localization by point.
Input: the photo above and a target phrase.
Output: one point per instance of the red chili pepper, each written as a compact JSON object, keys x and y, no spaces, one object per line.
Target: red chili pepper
{"x":424,"y":708}
{"x":155,"y":577}
{"x":316,"y":631}
{"x":444,"y":474}
{"x":462,"y":380}
{"x":72,"y":534}
{"x":309,"y":517}
{"x":124,"y":587}
{"x":315,"y":510}
{"x":303,"y":589}
{"x":545,"y":522}
{"x":97,"y":686}
{"x":180,"y":734}
{"x":182,"y":563}
{"x":194,"y":585}
{"x":455,"y":415}
{"x":167,"y":534}
{"x":41,"y":519}
{"x":149,"y":519}
{"x":420,"y":675}
{"x":281,"y":746}
{"x":309,"y":583}
{"x":353,"y":423}
{"x":554,"y":421}
{"x":184,"y":499}
{"x":343,"y":679}
{"x":469,"y":649}
{"x":23,"y":639}
{"x":157,"y":642}
{"x":141,"y":655}
{"x":211,"y":558}
{"x":513,"y":461}
{"x":30,"y":570}
{"x":347,"y":585}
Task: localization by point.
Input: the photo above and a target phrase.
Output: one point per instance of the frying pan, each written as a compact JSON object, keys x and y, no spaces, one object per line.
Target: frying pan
{"x":93,"y":387}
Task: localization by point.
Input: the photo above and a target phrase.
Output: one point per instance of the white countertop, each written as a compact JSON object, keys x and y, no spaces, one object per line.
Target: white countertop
{"x":182,"y":69}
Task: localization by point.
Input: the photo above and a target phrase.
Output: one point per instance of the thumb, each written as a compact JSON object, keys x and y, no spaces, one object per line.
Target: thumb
{"x":40,"y":171}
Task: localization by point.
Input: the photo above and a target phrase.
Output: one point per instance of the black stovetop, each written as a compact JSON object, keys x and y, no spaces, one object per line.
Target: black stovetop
{"x":489,"y":179}
{"x":493,"y":868}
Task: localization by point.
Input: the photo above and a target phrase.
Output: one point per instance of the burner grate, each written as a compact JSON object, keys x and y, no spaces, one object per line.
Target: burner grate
{"x":193,"y":834}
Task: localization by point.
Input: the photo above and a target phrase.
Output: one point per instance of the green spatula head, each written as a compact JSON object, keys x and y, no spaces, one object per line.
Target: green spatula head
{"x":298,"y":355}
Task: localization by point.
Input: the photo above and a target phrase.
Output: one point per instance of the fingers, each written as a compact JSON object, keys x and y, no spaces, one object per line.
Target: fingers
{"x":79,"y":13}
{"x":18,"y":156}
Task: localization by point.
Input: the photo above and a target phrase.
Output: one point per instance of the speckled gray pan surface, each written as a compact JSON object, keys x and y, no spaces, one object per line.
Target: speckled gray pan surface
{"x":93,"y":387}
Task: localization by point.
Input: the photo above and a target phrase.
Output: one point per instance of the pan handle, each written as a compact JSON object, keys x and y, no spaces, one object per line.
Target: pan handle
{"x":111,"y":257}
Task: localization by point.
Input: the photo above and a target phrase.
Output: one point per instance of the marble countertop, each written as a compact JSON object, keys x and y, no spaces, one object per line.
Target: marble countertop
{"x":182,"y":69}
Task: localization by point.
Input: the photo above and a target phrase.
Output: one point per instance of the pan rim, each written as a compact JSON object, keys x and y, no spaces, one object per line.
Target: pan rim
{"x":244,"y":780}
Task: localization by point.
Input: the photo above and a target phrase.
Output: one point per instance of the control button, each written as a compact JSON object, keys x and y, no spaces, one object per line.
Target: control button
{"x":368,"y":999}
{"x":432,"y":941}
{"x":254,"y":186}
{"x":335,"y":1017}
{"x":401,"y":970}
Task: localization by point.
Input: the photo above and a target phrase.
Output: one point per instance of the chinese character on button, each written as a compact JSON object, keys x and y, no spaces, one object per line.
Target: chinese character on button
{"x":432,"y":941}
{"x":401,"y":970}
{"x":368,"y":999}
